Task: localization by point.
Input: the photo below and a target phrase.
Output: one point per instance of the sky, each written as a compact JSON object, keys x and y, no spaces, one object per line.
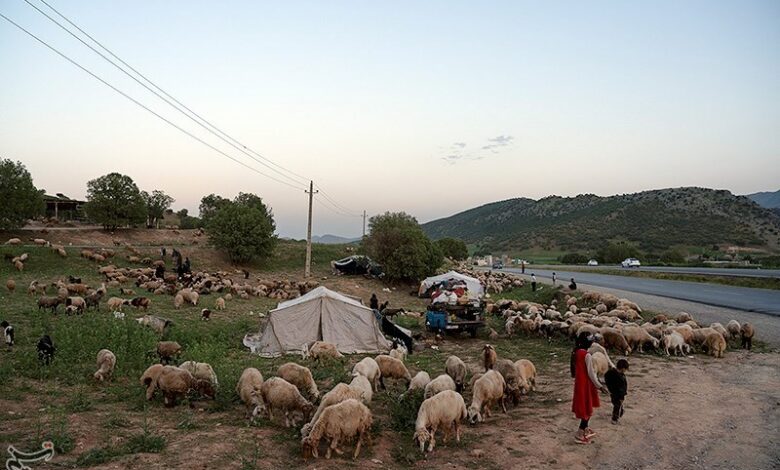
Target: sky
{"x":426,"y":107}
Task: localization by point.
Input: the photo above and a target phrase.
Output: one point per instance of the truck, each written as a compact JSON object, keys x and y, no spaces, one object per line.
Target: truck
{"x":452,"y":319}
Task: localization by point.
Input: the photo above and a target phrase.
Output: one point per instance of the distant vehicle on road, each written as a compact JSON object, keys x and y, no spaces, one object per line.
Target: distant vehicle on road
{"x":631,"y":263}
{"x":593,"y":262}
{"x":498,"y":265}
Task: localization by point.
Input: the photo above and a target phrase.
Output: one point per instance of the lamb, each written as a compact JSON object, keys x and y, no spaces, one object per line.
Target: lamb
{"x":392,"y":368}
{"x":346,"y":420}
{"x":322,"y":350}
{"x":149,"y":379}
{"x":168,"y":350}
{"x":279,"y":394}
{"x":116,"y":303}
{"x":10,"y":285}
{"x":600,"y":363}
{"x":219,"y":304}
{"x":444,"y":410}
{"x":175,"y":383}
{"x":614,"y":339}
{"x":248,"y":389}
{"x":438,"y":385}
{"x":77,"y":302}
{"x":715,"y":344}
{"x":685,"y":331}
{"x":361,"y":383}
{"x":675,"y":341}
{"x":596,"y":347}
{"x":489,"y":357}
{"x":488,"y":390}
{"x":528,"y":374}
{"x":301,"y":377}
{"x":368,"y":368}
{"x":746,"y":333}
{"x":93,"y":299}
{"x":49,"y":302}
{"x":637,"y":338}
{"x":201,"y":371}
{"x":337,"y":394}
{"x":398,"y":352}
{"x":733,"y":327}
{"x":106,"y":361}
{"x":456,"y":368}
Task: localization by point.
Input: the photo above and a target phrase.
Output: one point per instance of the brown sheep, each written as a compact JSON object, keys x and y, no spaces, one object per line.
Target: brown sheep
{"x":614,"y":339}
{"x":747,"y":332}
{"x":149,"y":379}
{"x":489,"y":357}
{"x":392,"y":368}
{"x":168,"y":351}
{"x":10,"y":285}
{"x":715,"y":344}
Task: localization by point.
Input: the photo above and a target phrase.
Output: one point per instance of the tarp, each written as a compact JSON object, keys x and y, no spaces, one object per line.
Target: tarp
{"x":476,"y":290}
{"x":320,"y":315}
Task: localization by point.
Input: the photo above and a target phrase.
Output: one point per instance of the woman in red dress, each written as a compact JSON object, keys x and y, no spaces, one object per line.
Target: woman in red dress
{"x":586,"y":387}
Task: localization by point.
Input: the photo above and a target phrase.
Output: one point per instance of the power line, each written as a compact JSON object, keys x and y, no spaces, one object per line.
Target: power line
{"x":208,"y":126}
{"x":180,"y":129}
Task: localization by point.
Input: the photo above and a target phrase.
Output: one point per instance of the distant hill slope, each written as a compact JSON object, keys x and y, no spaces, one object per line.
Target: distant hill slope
{"x":654,"y":220}
{"x":329,"y":239}
{"x":770,"y":200}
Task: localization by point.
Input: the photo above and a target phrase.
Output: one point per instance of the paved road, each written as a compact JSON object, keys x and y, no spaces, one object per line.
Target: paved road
{"x":738,"y":272}
{"x":764,"y":301}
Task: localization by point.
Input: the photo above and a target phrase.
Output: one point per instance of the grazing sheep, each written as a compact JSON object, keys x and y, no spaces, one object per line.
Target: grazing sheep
{"x":456,"y":368}
{"x":116,"y":303}
{"x":347,"y":420}
{"x":733,"y":327}
{"x":660,"y":318}
{"x":14,"y":241}
{"x":685,"y":331}
{"x":528,"y":373}
{"x":715,"y":344}
{"x":444,"y":410}
{"x":201,"y":371}
{"x":720,"y":329}
{"x":512,"y":379}
{"x":175,"y":383}
{"x":419,"y":381}
{"x":149,"y":379}
{"x":76,"y":302}
{"x":637,"y":338}
{"x":700,"y":335}
{"x":248,"y":389}
{"x":489,"y":357}
{"x":438,"y":385}
{"x":488,"y":390}
{"x":279,"y":394}
{"x":19,"y":265}
{"x":322,"y":350}
{"x":178,"y":301}
{"x":106,"y":361}
{"x":392,"y":368}
{"x":683,"y":317}
{"x":614,"y":339}
{"x":337,"y":394}
{"x":361,"y":383}
{"x":168,"y":351}
{"x":49,"y":302}
{"x":159,"y":325}
{"x":219,"y":304}
{"x":675,"y":341}
{"x":746,"y":333}
{"x":301,"y":377}
{"x":368,"y":368}
{"x":141,"y":302}
{"x":10,"y":285}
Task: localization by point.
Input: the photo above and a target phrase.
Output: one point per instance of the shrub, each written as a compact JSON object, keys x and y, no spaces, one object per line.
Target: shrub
{"x":573,"y":258}
{"x":453,"y":248}
{"x":243,"y":227}
{"x":21,"y":199}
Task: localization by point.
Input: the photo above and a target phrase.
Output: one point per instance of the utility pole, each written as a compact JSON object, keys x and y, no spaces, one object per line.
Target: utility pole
{"x":364,"y":224}
{"x":307,"y":270}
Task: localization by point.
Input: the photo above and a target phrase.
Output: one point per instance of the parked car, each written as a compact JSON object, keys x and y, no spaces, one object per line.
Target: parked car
{"x":631,"y":263}
{"x":593,"y":262}
{"x":498,"y":265}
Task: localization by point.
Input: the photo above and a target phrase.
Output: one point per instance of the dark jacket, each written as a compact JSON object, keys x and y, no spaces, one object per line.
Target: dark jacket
{"x":616,"y":383}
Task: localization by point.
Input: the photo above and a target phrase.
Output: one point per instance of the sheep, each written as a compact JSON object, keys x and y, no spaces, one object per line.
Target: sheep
{"x":488,"y":390}
{"x":675,"y":341}
{"x":700,"y":335}
{"x":368,"y":368}
{"x":189,"y":296}
{"x":93,"y":299}
{"x":489,"y":357}
{"x":343,"y":421}
{"x":685,"y":331}
{"x":600,"y":363}
{"x":614,"y":339}
{"x":106,"y":361}
{"x":205,"y":314}
{"x":175,"y":383}
{"x":279,"y":394}
{"x":219,"y":304}
{"x":419,"y":381}
{"x":77,"y":302}
{"x":596,"y":347}
{"x":456,"y":368}
{"x":10,"y":285}
{"x":438,"y":385}
{"x":248,"y":388}
{"x":361,"y":383}
{"x":149,"y":379}
{"x":492,"y":335}
{"x":733,"y":328}
{"x":116,"y":303}
{"x":683,"y":317}
{"x":323,"y":350}
{"x":14,"y":241}
{"x":19,"y":265}
{"x":512,"y":379}
{"x":746,"y":332}
{"x":140,"y":302}
{"x":660,"y":318}
{"x":301,"y":377}
{"x":444,"y":410}
{"x":637,"y":337}
{"x":719,"y":328}
{"x":398,"y":352}
{"x":157,"y":324}
{"x":392,"y":368}
{"x":168,"y":350}
{"x":201,"y":371}
{"x":528,"y":373}
{"x":337,"y":394}
{"x":178,"y":301}
{"x":715,"y":344}
{"x":627,"y":304}
{"x":39,"y":241}
{"x":49,"y":302}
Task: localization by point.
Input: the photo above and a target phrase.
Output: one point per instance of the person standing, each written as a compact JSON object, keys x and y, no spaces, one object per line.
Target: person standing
{"x":554,"y":278}
{"x":586,"y":387}
{"x":615,"y":378}
{"x":573,"y":285}
{"x":522,"y":267}
{"x":533,"y":282}
{"x":374,"y":302}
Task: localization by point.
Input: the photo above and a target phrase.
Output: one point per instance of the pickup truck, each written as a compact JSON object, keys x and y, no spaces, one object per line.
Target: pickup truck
{"x":455,"y":318}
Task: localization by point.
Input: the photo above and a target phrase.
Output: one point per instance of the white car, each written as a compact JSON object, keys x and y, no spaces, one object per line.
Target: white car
{"x":593,"y":262}
{"x":631,"y":263}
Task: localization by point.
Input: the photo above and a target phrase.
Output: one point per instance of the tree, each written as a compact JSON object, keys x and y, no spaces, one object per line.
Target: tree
{"x":21,"y":200}
{"x":243,"y":227}
{"x":209,"y":205}
{"x":114,"y":201}
{"x":453,"y":248}
{"x":617,"y":252}
{"x":188,"y":221}
{"x":156,"y":205}
{"x":573,"y":258}
{"x":396,"y":241}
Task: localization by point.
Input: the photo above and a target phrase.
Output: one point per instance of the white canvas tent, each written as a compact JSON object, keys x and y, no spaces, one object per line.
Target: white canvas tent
{"x":320,"y":315}
{"x":476,"y":290}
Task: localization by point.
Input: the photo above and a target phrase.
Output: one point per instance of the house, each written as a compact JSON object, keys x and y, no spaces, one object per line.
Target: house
{"x":61,"y":207}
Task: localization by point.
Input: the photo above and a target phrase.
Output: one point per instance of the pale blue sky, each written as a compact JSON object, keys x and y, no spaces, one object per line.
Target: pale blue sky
{"x":428,"y":107}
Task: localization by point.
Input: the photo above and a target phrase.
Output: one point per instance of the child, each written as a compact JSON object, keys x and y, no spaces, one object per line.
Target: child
{"x":615,"y":379}
{"x":8,"y":334}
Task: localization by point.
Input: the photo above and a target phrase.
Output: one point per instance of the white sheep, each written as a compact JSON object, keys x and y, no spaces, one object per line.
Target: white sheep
{"x":392,"y":368}
{"x":201,"y":371}
{"x":175,"y":383}
{"x":675,"y":341}
{"x":279,"y":394}
{"x":368,"y":368}
{"x":399,"y":352}
{"x":219,"y":304}
{"x":637,"y":337}
{"x":438,"y":385}
{"x":106,"y":361}
{"x":321,"y":350}
{"x":442,"y":411}
{"x":733,"y":328}
{"x":600,"y":363}
{"x":301,"y":377}
{"x":337,"y":394}
{"x":419,"y":381}
{"x":248,"y":389}
{"x":361,"y":383}
{"x":488,"y":390}
{"x":347,"y":420}
{"x":528,"y":373}
{"x":596,"y":347}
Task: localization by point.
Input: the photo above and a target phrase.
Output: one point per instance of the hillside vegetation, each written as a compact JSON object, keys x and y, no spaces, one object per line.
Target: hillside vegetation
{"x":653,"y":220}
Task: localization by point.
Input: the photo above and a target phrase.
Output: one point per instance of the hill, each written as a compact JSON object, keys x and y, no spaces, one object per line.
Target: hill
{"x":329,"y":239}
{"x":654,"y":220}
{"x":768,"y":199}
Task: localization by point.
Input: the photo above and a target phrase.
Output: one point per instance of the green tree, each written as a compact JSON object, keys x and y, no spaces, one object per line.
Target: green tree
{"x":617,"y":252}
{"x":573,"y":258}
{"x":396,"y":241}
{"x":209,"y":206}
{"x":188,"y":221}
{"x":156,"y":204}
{"x":243,"y":227}
{"x":113,"y":200}
{"x":21,"y":199}
{"x":453,"y":248}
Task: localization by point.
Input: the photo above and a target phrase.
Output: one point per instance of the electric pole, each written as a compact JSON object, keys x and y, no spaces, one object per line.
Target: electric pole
{"x":364,"y":224}
{"x":307,"y":270}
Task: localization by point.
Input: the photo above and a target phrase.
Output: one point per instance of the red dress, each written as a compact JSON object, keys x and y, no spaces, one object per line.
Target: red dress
{"x":586,"y":396}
